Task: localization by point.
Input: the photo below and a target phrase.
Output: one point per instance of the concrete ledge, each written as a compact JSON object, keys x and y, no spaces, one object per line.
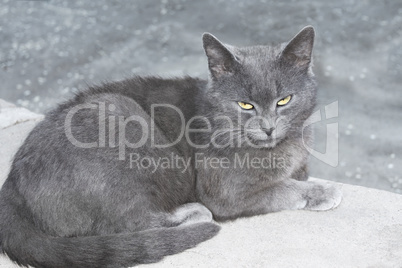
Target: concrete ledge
{"x":15,"y":125}
{"x":364,"y":231}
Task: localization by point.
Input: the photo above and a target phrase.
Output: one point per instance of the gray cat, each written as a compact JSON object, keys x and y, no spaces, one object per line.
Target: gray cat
{"x":131,"y":171}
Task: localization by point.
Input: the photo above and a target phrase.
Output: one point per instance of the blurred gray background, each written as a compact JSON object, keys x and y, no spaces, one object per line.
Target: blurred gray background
{"x":50,"y":49}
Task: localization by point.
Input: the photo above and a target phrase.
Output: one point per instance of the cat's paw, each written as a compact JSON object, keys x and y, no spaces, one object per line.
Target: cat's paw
{"x":191,"y":213}
{"x":322,"y":196}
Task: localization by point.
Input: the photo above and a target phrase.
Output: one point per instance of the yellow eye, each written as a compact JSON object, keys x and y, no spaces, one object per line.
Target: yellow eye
{"x":245,"y":105}
{"x":284,"y":101}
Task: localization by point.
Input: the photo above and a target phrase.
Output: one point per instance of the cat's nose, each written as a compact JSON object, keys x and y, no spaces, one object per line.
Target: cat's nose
{"x":268,"y":131}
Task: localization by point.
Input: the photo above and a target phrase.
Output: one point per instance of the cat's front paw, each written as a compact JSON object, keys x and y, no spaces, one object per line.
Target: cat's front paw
{"x":191,"y":213}
{"x":322,"y":196}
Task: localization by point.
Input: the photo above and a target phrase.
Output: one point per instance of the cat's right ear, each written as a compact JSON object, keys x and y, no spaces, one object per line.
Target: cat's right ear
{"x":298,"y":51}
{"x":220,"y":60}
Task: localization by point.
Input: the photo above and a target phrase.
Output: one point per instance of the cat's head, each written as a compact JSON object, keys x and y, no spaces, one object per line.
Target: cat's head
{"x":267,"y":92}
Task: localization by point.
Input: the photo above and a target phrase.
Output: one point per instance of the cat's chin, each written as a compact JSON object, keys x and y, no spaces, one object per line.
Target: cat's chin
{"x":270,"y":143}
{"x":266,"y":142}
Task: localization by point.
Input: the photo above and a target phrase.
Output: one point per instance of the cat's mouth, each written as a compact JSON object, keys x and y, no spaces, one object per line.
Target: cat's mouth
{"x":261,"y":140}
{"x":265,"y":144}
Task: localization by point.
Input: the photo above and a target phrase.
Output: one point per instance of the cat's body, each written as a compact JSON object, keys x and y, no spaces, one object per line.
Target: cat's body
{"x":109,"y":205}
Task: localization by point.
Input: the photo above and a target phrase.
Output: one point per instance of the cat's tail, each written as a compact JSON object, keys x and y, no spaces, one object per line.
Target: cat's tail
{"x":27,"y":245}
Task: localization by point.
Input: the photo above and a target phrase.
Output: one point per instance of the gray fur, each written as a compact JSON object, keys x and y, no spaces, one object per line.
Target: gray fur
{"x":64,"y":206}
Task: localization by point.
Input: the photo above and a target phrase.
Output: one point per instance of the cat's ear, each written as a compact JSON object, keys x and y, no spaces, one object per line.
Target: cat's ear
{"x":298,"y":51}
{"x":220,"y":60}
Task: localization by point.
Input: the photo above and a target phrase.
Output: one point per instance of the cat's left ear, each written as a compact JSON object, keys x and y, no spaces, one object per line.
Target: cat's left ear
{"x":298,"y":51}
{"x":221,"y":60}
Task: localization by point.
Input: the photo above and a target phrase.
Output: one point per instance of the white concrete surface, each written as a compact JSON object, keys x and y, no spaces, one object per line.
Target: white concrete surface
{"x":364,"y":231}
{"x":15,"y":124}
